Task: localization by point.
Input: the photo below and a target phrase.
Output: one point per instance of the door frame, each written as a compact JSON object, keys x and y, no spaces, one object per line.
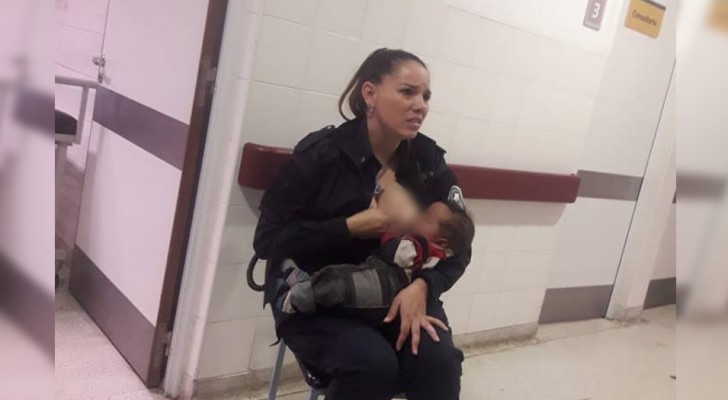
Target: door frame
{"x":189,"y":182}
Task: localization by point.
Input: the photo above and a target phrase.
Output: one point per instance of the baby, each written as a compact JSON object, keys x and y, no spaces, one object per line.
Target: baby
{"x":442,"y":231}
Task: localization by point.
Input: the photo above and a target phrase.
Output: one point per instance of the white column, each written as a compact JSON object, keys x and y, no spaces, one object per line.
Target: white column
{"x":649,"y":221}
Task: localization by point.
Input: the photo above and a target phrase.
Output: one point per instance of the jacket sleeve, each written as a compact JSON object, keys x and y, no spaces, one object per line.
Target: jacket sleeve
{"x":407,"y":251}
{"x":441,"y":278}
{"x":283,"y":230}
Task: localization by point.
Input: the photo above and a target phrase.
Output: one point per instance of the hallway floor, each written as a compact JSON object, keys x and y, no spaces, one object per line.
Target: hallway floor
{"x":595,"y":359}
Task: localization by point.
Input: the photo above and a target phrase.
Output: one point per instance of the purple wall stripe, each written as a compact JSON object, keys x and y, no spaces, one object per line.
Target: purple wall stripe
{"x":575,"y":303}
{"x":661,"y":292}
{"x":157,"y":133}
{"x":602,"y":185}
{"x":125,"y":326}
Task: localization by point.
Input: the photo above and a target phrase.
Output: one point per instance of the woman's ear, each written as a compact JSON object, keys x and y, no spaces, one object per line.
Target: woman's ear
{"x":369,"y":93}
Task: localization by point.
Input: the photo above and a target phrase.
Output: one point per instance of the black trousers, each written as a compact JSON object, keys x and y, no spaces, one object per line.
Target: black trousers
{"x":362,"y":363}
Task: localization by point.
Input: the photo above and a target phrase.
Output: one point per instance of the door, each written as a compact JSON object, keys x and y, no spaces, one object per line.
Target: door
{"x":149,"y":124}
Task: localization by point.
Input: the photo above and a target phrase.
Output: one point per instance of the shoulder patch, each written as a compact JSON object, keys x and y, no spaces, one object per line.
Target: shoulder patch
{"x":312,"y":138}
{"x":456,"y":197}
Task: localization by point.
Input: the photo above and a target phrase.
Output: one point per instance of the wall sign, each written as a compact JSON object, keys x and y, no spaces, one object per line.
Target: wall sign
{"x":645,"y":16}
{"x":718,"y":18}
{"x":594,"y":14}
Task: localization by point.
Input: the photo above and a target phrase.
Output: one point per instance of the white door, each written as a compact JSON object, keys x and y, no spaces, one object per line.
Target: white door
{"x":140,"y":175}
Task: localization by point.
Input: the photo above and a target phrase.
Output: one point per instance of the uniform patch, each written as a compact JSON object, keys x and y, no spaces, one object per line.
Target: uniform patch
{"x":456,"y":196}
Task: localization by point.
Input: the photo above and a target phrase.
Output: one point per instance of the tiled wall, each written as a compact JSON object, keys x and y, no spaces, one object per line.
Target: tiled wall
{"x":504,"y":96}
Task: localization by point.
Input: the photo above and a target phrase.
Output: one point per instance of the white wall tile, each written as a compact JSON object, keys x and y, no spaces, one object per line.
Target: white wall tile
{"x":425,"y":28}
{"x":531,"y":304}
{"x":226,"y":348}
{"x":525,"y":56}
{"x":316,"y":111}
{"x":231,"y":297}
{"x":460,"y":37}
{"x":301,"y":11}
{"x":271,"y":116}
{"x":500,"y":238}
{"x":509,"y":308}
{"x":385,"y":22}
{"x":579,"y":71}
{"x":493,"y":148}
{"x":494,"y":267}
{"x":443,"y":129}
{"x":494,"y":47}
{"x":264,"y":354}
{"x":478,"y":97}
{"x":468,"y":283}
{"x":332,"y":63}
{"x":509,"y":94}
{"x":342,"y":17}
{"x":554,"y":110}
{"x":484,"y":312}
{"x":237,"y":238}
{"x":457,"y":308}
{"x":449,"y":82}
{"x":527,"y":270}
{"x":283,"y":52}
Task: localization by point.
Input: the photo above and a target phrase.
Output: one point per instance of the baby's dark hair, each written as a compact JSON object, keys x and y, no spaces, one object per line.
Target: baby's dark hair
{"x":459,"y":230}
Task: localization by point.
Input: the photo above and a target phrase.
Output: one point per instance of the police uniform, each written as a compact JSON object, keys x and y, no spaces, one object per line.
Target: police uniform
{"x":331,"y":176}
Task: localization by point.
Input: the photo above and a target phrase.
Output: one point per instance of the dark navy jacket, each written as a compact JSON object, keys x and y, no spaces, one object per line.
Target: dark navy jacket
{"x":330,"y":177}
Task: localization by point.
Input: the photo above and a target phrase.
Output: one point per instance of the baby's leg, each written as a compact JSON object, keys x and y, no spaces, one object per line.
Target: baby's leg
{"x":370,"y":285}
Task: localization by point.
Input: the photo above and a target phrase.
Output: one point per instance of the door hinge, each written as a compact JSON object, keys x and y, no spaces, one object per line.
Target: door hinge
{"x":206,"y":82}
{"x":167,"y":344}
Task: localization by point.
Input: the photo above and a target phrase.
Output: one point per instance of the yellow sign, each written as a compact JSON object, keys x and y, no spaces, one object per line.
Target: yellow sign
{"x":718,"y":17}
{"x":645,"y":16}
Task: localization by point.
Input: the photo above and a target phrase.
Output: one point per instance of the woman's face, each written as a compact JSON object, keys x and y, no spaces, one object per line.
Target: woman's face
{"x":401,"y":99}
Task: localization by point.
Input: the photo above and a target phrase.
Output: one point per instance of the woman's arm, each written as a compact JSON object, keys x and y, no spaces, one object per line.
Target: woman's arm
{"x":448,"y":271}
{"x":281,"y":230}
{"x":284,"y":231}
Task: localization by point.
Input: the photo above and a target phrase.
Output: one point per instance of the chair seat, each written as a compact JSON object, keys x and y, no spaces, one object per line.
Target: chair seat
{"x":65,"y":123}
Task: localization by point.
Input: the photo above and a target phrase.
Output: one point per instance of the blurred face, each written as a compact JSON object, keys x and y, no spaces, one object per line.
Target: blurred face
{"x":428,"y":225}
{"x":400,"y":100}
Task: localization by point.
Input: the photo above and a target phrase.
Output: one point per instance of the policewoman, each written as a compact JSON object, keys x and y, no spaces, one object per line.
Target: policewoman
{"x":317,"y":212}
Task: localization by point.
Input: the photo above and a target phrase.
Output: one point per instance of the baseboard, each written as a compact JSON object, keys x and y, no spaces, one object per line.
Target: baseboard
{"x":575,"y":303}
{"x":254,"y":384}
{"x":661,"y":292}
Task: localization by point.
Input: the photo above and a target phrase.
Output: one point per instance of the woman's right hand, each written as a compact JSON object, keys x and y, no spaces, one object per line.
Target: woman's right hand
{"x":370,"y":223}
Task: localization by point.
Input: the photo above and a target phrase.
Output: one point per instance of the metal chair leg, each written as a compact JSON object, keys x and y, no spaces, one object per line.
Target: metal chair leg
{"x":314,"y":394}
{"x":277,"y":367}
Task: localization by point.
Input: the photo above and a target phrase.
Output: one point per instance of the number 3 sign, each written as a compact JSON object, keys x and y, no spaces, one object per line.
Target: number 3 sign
{"x":595,"y":14}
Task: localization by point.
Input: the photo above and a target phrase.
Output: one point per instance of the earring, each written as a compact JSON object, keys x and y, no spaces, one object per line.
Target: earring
{"x":370,"y":111}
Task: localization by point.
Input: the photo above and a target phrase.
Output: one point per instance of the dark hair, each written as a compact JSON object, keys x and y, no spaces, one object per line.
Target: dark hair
{"x":459,"y":230}
{"x":378,"y":64}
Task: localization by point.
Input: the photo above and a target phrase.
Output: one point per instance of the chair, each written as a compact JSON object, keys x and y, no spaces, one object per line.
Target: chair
{"x":317,"y":384}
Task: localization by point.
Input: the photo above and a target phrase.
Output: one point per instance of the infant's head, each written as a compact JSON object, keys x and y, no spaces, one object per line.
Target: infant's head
{"x":447,"y":225}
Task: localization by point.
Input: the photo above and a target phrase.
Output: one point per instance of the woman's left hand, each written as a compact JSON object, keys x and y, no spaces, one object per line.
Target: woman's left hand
{"x":411,"y":305}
